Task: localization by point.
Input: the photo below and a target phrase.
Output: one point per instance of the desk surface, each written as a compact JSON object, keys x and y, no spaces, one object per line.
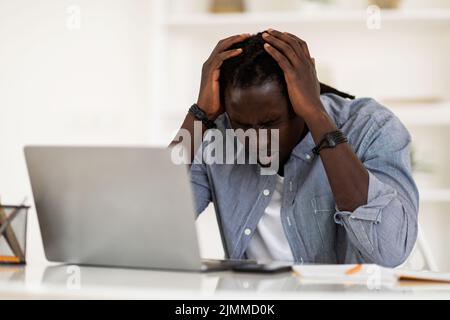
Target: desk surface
{"x":73,"y":282}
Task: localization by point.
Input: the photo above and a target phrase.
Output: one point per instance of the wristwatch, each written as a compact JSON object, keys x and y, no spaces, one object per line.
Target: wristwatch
{"x":199,"y":114}
{"x":330,"y":140}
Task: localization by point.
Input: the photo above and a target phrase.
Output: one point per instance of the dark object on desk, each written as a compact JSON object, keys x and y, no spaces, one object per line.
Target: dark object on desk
{"x":263,"y":268}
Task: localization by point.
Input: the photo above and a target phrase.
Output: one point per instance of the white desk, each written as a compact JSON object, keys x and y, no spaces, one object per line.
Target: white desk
{"x":63,"y":282}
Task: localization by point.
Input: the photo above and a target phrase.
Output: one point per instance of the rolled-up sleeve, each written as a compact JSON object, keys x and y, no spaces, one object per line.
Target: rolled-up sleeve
{"x":200,"y":184}
{"x":384,"y":230}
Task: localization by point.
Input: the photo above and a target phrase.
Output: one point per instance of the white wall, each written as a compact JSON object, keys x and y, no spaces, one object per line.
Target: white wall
{"x":63,"y":85}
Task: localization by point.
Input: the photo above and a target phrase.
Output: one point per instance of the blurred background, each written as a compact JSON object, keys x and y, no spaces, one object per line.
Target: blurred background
{"x":125,"y":72}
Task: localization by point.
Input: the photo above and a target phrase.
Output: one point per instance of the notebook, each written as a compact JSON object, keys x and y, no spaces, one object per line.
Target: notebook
{"x":365,"y":274}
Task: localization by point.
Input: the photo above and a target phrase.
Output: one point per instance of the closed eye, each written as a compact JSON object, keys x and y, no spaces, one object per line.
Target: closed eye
{"x":268,"y":124}
{"x":271,"y":123}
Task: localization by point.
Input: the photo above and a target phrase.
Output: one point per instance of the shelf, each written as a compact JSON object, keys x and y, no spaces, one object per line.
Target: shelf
{"x":430,"y":16}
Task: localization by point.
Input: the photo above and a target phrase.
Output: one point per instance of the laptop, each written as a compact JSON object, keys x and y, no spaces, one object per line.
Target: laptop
{"x":116,"y":206}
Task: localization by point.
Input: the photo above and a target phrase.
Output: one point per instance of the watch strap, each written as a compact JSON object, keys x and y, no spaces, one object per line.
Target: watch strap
{"x":330,"y":140}
{"x":199,"y":114}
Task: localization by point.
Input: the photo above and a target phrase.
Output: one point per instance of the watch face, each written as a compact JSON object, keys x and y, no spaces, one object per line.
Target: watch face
{"x":331,"y":142}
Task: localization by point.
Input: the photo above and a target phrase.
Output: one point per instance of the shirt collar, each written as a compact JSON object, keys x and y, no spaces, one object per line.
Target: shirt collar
{"x":303,"y":149}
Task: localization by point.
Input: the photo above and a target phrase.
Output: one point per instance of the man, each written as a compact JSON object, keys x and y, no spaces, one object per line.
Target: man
{"x":343,"y":191}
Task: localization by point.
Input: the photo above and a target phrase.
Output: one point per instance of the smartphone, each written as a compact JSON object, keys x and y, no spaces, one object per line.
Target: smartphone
{"x":262,"y":268}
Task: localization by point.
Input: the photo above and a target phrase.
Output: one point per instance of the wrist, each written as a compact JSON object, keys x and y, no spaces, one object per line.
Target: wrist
{"x":211,"y":115}
{"x":314,"y":114}
{"x":319,"y":123}
{"x":308,"y":107}
{"x":201,"y":115}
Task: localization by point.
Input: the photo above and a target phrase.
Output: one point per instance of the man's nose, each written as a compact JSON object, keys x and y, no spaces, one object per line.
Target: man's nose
{"x":263,"y":138}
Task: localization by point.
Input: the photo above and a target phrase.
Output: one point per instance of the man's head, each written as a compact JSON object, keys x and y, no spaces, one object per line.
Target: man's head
{"x":254,"y":95}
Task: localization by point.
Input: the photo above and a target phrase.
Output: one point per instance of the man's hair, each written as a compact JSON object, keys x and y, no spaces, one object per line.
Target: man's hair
{"x":254,"y":66}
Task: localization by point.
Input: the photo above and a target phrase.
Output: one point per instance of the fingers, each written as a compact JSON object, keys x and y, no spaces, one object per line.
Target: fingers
{"x":296,"y":45}
{"x":220,"y":52}
{"x":294,"y":41}
{"x":288,"y":50}
{"x":283,"y":62}
{"x":282,"y":46}
{"x":221,"y":57}
{"x":302,"y":43}
{"x":226,"y":43}
{"x":230,"y":53}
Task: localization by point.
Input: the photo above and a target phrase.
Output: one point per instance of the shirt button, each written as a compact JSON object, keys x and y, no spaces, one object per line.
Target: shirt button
{"x":266,"y":192}
{"x":307,"y":156}
{"x":247,"y":232}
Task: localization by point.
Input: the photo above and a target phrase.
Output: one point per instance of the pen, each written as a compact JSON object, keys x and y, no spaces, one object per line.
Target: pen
{"x":357,"y":268}
{"x":9,"y":259}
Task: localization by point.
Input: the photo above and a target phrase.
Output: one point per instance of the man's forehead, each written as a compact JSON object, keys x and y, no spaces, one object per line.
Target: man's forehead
{"x":265,"y":90}
{"x":267,"y":101}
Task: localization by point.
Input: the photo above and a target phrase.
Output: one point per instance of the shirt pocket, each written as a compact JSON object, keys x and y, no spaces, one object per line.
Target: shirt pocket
{"x":323,"y":211}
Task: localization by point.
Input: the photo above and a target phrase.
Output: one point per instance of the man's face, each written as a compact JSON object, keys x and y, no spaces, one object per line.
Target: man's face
{"x":264,"y":107}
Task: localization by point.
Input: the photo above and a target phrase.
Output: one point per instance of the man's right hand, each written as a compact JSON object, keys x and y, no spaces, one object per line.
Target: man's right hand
{"x":209,"y":95}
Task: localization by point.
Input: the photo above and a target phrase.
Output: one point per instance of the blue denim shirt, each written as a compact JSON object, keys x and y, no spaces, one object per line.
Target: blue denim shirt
{"x":383,"y":231}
